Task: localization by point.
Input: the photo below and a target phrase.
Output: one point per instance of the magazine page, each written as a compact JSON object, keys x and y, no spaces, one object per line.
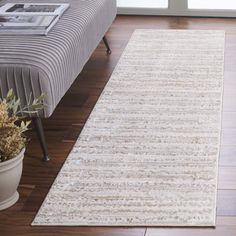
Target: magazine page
{"x":30,"y":18}
{"x":29,"y":30}
{"x":19,"y":21}
{"x":33,"y":8}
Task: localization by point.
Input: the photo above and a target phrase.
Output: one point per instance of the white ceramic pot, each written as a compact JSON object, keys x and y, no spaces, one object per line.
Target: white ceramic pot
{"x":10,"y":175}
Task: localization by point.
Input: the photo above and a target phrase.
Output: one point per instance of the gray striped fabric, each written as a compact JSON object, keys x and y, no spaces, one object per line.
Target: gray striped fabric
{"x":50,"y":64}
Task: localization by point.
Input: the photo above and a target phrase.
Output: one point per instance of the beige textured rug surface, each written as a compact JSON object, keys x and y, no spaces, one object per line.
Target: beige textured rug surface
{"x":148,"y":154}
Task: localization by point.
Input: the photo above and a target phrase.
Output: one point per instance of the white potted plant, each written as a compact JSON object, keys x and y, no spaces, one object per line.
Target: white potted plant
{"x":12,"y":145}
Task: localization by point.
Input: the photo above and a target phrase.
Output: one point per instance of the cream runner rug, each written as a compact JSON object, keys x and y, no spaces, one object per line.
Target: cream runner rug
{"x":148,"y":153}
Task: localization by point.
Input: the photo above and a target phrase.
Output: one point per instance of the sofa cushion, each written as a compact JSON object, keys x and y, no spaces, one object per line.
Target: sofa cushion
{"x":50,"y":64}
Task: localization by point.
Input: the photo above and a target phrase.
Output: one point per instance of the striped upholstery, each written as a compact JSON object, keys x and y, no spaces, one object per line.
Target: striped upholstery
{"x":50,"y":64}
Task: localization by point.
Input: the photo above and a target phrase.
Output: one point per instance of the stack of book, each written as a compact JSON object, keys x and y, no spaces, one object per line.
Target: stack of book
{"x":30,"y":18}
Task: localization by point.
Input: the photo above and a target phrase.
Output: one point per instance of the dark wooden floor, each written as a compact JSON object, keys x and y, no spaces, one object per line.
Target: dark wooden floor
{"x":63,"y":128}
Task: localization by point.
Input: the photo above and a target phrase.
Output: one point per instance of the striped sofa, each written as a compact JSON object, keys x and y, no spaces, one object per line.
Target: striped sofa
{"x":49,"y":64}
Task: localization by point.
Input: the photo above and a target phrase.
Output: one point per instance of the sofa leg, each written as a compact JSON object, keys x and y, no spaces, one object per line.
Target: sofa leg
{"x":107,"y":45}
{"x":40,"y":133}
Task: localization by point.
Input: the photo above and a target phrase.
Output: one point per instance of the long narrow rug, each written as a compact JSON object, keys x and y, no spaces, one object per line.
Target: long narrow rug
{"x":148,"y":154}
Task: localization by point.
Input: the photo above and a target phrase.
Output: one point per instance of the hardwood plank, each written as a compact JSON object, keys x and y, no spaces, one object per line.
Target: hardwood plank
{"x":226,"y":203}
{"x":228,"y":137}
{"x":73,"y":133}
{"x":228,"y":120}
{"x":227,"y":156}
{"x":225,"y":226}
{"x":227,"y":177}
{"x":20,"y":226}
